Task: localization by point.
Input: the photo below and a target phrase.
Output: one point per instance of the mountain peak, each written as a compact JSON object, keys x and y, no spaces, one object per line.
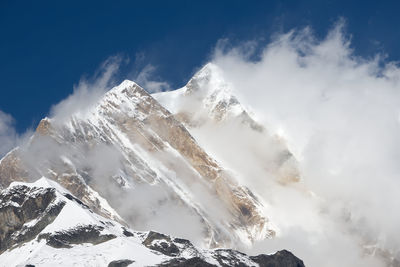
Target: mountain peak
{"x":43,"y":126}
{"x":127,"y":87}
{"x":125,"y":84}
{"x":208,"y":74}
{"x":206,"y":70}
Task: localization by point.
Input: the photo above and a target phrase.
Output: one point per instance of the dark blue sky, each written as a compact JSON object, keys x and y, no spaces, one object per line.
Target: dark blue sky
{"x":46,"y":46}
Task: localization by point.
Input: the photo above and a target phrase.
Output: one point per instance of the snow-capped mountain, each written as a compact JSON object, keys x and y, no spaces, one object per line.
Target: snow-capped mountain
{"x":146,"y":162}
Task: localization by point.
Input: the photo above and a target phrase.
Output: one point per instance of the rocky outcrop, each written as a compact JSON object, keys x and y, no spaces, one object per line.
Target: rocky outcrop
{"x":120,"y":263}
{"x":185,"y":254}
{"x":182,"y":262}
{"x":24,"y":213}
{"x":78,"y":235}
{"x":169,"y":246}
{"x":227,"y":258}
{"x":281,"y":258}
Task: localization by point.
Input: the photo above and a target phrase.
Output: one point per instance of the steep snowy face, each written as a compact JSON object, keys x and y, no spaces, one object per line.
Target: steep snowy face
{"x":214,"y":92}
{"x":213,"y":114}
{"x":129,"y":159}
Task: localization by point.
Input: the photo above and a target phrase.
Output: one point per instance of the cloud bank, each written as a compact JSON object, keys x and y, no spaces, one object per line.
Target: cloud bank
{"x":340,"y":115}
{"x":146,"y":79}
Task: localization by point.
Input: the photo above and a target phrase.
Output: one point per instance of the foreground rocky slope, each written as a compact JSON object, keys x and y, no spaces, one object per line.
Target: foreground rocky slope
{"x":42,"y":224}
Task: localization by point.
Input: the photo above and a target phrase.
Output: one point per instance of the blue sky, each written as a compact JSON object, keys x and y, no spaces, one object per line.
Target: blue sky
{"x":47,"y":46}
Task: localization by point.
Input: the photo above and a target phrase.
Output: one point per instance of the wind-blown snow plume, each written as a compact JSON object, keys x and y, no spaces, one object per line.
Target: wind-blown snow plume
{"x":340,"y":116}
{"x":146,"y":79}
{"x":88,"y":91}
{"x":8,"y":135}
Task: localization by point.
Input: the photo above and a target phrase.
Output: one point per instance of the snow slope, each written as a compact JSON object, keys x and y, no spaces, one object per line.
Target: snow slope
{"x":65,"y":242}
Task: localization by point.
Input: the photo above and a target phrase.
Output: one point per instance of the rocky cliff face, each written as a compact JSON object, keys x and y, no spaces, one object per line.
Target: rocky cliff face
{"x":24,"y":212}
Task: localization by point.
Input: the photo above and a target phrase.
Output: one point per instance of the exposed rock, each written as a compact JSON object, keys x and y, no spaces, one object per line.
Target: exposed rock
{"x":120,"y":263}
{"x":126,"y":232}
{"x":228,"y":258}
{"x":177,"y":247}
{"x":12,"y":169}
{"x":24,"y":213}
{"x":79,"y":235}
{"x":281,"y":258}
{"x":44,"y":127}
{"x":183,"y":262}
{"x":161,"y":243}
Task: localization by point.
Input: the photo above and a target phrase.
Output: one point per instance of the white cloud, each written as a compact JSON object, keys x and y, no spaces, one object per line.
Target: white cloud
{"x":9,"y":137}
{"x":146,"y":79}
{"x":85,"y":94}
{"x":88,"y":91}
{"x":340,"y":116}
